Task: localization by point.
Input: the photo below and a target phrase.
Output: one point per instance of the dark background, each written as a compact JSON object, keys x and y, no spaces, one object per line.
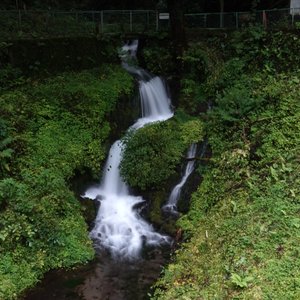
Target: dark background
{"x":189,"y":5}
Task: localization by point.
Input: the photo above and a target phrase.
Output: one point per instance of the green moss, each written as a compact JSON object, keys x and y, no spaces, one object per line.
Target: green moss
{"x":157,"y":201}
{"x":242,"y":231}
{"x":153,"y":152}
{"x":156,"y":217}
{"x":58,"y":127}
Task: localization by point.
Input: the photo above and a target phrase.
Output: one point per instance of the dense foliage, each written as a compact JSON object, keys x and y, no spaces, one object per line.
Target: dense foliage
{"x":42,"y":24}
{"x":50,"y":130}
{"x":153,"y":152}
{"x":242,"y":231}
{"x":241,"y":235}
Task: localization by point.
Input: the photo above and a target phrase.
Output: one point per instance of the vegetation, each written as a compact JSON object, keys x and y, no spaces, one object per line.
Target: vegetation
{"x":49,"y":131}
{"x":43,"y":24}
{"x":153,"y":152}
{"x":158,"y":60}
{"x":241,"y":233}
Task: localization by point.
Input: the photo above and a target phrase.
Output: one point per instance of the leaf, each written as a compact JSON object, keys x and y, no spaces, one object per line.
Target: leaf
{"x":274,"y":173}
{"x":234,"y":206}
{"x":293,"y":193}
{"x":296,"y":223}
{"x":239,"y":281}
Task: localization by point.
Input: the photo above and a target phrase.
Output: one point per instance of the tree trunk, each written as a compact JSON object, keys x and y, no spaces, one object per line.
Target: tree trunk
{"x":177,"y":29}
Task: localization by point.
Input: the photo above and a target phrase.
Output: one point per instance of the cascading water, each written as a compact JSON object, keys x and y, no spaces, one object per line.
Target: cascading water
{"x":171,"y":205}
{"x":118,"y":226}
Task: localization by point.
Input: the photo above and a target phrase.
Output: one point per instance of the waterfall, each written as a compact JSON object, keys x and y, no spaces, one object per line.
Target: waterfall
{"x":171,"y":205}
{"x":118,"y":226}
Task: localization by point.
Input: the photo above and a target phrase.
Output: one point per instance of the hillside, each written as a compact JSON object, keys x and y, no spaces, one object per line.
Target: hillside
{"x":241,"y":234}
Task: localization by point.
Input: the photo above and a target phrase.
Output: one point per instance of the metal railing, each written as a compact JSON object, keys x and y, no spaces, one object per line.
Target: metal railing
{"x":285,"y":17}
{"x":20,"y":23}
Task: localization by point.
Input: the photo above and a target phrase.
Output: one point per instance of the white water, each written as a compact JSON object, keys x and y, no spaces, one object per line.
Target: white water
{"x":171,"y":205}
{"x":118,"y":226}
{"x":129,"y":61}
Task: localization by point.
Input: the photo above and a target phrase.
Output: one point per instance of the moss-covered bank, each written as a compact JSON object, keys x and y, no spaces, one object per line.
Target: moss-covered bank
{"x":242,"y":231}
{"x":50,"y":130}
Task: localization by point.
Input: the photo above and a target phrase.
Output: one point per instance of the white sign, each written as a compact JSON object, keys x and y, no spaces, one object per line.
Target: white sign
{"x":295,"y":7}
{"x":164,"y":16}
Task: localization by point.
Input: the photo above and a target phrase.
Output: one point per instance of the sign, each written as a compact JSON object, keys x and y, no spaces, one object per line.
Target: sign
{"x":295,"y":7}
{"x":164,"y":16}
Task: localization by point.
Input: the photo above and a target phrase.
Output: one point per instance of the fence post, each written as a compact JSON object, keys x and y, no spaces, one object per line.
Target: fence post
{"x":157,"y":20}
{"x":237,"y":20}
{"x":293,"y":16}
{"x":221,"y":20}
{"x":264,"y":19}
{"x":101,"y":21}
{"x":130,"y":20}
{"x":148,"y":19}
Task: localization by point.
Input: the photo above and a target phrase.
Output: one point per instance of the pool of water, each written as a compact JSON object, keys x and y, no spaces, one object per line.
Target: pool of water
{"x":103,"y":279}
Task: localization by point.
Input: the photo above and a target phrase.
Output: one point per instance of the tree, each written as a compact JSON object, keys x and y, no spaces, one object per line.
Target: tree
{"x":176,"y":10}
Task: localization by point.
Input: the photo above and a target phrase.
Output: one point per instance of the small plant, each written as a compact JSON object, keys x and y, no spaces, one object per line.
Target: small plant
{"x":5,"y":154}
{"x":10,"y":77}
{"x":5,"y":151}
{"x":241,"y":282}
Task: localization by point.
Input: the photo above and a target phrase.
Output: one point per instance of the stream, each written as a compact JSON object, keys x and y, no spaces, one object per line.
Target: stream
{"x":130,"y":253}
{"x":102,"y":279}
{"x":119,"y":228}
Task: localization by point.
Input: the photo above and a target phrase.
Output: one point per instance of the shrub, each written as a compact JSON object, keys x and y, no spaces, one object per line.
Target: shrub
{"x":237,"y":101}
{"x":152,"y":153}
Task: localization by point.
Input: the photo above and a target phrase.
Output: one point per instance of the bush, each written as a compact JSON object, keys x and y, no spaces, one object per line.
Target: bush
{"x":152,"y":153}
{"x":6,"y":151}
{"x":10,"y":77}
{"x":158,"y":60}
{"x":237,"y":101}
